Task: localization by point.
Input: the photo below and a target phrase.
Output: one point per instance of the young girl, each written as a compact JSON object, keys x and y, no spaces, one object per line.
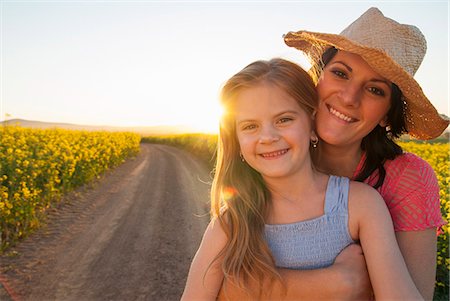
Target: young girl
{"x":271,"y":208}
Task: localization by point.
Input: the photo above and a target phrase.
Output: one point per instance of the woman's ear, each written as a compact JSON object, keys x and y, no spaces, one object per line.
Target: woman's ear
{"x":383,"y":122}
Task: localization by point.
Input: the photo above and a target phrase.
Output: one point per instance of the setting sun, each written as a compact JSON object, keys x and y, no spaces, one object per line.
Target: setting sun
{"x":207,"y":120}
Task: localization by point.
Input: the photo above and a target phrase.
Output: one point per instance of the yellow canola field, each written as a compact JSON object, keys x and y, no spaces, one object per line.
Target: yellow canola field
{"x":38,"y":166}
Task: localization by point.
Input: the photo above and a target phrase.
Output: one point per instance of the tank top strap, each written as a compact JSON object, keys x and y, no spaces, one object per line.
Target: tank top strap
{"x":336,"y":197}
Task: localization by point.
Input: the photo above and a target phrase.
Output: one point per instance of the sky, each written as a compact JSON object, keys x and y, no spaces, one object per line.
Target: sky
{"x":147,"y":63}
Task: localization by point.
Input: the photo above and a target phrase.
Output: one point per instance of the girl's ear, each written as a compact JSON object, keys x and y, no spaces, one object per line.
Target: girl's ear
{"x":314,"y":135}
{"x":314,"y":139}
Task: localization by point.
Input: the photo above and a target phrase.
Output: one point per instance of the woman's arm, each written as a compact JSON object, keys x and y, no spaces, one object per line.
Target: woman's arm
{"x":205,"y":275}
{"x":419,"y":251}
{"x":414,"y":204}
{"x":369,"y":219}
{"x":346,"y":279}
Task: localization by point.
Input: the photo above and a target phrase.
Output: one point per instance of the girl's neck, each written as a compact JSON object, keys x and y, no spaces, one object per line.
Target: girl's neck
{"x":300,"y":184}
{"x":296,"y":183}
{"x":299,"y":198}
{"x":340,"y":161}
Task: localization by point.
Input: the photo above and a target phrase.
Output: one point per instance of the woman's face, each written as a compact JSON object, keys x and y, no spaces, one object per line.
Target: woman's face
{"x":353,"y":99}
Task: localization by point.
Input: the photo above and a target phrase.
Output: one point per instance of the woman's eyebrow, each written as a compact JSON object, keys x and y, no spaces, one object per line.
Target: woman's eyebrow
{"x":383,"y":81}
{"x":380,"y":80}
{"x":345,"y":65}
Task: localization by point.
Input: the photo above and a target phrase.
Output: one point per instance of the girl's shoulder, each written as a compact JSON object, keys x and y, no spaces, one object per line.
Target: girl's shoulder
{"x":215,"y":236}
{"x":217,"y":226}
{"x":363,"y":196}
{"x":363,"y":201}
{"x":363,"y":191}
{"x":356,"y":190}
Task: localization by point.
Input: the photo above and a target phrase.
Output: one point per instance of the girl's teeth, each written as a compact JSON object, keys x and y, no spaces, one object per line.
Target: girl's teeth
{"x":340,"y":115}
{"x":274,"y":154}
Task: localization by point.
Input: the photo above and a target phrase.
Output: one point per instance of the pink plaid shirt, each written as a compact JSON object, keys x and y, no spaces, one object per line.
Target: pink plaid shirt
{"x":411,"y":192}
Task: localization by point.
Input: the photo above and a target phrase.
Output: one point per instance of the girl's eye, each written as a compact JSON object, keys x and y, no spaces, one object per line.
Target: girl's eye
{"x":376,"y":91}
{"x":248,"y":127}
{"x":284,"y":119}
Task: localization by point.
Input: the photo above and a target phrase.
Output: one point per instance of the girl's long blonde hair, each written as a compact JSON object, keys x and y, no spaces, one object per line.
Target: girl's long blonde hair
{"x":240,"y":200}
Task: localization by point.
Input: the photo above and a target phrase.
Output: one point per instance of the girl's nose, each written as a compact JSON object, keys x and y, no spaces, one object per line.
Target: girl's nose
{"x":268,"y":135}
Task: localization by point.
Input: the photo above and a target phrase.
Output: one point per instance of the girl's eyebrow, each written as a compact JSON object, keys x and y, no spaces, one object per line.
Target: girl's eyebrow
{"x":380,"y":80}
{"x":287,"y":112}
{"x":293,"y":112}
{"x":245,"y":121}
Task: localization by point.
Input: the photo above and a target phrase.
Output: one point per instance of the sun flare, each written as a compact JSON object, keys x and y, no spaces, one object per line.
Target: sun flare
{"x":207,"y":120}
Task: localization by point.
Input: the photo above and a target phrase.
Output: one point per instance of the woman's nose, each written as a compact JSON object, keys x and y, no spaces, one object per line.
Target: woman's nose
{"x":351,"y":94}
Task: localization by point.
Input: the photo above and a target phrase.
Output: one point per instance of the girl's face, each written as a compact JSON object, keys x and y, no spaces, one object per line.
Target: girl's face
{"x":273,"y":131}
{"x":353,"y":99}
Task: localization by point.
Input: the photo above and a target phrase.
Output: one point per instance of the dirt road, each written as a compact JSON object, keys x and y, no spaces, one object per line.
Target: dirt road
{"x":131,"y":236}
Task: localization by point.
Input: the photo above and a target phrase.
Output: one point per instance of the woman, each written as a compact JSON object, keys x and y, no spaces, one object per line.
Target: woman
{"x":367,"y":97}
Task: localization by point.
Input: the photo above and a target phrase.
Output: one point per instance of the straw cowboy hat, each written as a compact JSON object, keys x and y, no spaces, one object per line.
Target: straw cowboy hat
{"x":392,"y":49}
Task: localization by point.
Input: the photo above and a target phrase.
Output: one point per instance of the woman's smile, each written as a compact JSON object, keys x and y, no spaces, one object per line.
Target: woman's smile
{"x":340,"y":115}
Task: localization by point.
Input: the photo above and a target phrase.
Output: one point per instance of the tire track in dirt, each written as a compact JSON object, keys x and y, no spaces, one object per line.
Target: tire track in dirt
{"x":131,"y":236}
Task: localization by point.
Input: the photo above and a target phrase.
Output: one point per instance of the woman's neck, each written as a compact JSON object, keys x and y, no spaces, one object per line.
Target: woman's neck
{"x":340,"y":161}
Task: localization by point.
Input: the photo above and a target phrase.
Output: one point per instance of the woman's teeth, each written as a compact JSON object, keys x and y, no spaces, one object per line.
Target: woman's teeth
{"x":340,"y":115}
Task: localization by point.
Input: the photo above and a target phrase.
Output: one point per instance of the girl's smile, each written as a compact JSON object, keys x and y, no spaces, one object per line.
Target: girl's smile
{"x":274,"y":155}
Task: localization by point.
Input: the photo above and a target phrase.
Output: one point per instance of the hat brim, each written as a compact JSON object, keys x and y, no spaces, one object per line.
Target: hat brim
{"x":422,"y":119}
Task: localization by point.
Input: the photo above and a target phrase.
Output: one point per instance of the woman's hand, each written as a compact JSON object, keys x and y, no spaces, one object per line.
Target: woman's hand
{"x":346,"y":279}
{"x":351,"y":266}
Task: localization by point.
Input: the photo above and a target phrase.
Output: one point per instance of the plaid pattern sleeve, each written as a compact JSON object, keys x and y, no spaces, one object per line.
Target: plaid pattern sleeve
{"x":411,"y":192}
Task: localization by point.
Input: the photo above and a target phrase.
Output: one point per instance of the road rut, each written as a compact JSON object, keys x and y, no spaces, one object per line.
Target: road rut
{"x":130,"y":236}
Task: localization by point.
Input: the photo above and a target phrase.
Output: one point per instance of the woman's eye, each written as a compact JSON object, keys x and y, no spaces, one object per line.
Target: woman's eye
{"x":339,"y":73}
{"x":377,"y":91}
